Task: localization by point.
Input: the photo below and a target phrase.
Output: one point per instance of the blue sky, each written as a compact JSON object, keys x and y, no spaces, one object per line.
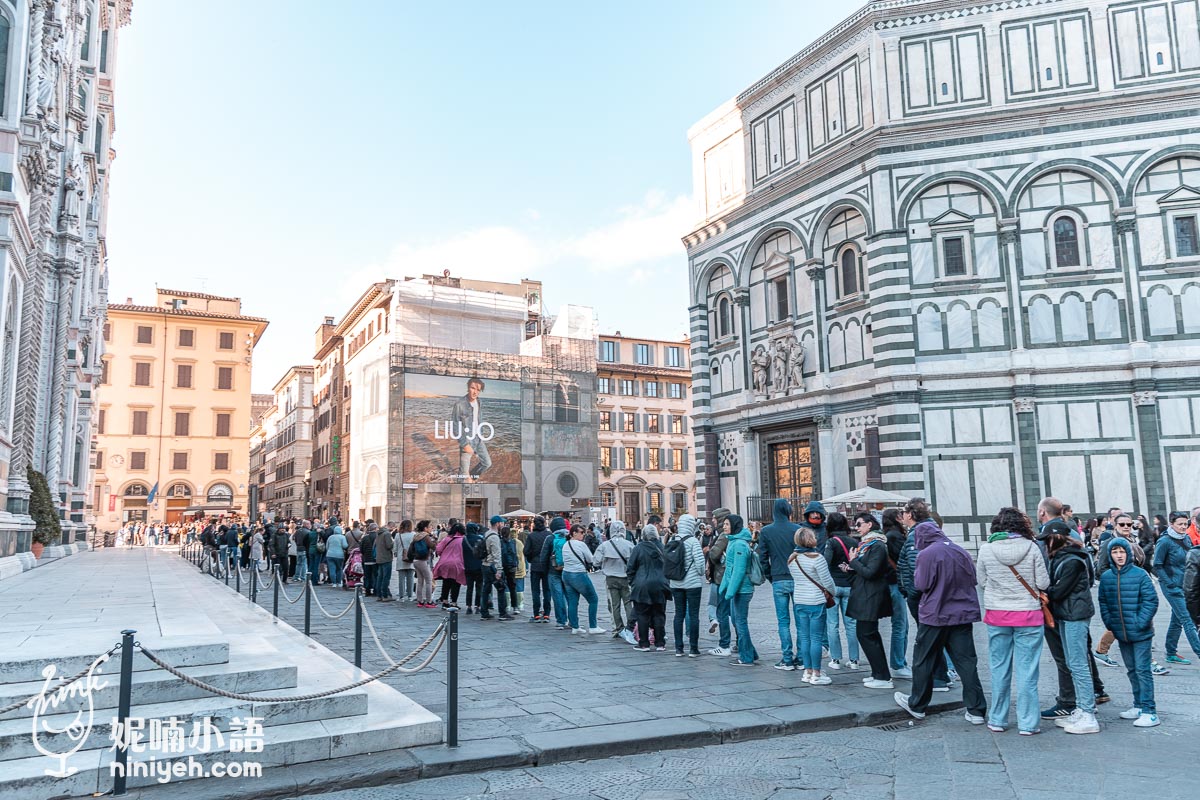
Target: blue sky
{"x":276,"y":151}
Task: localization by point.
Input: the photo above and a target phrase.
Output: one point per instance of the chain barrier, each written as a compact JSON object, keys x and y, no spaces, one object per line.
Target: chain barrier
{"x":438,"y":635}
{"x":317,"y":599}
{"x":82,"y":674}
{"x":265,"y":584}
{"x":297,"y":598}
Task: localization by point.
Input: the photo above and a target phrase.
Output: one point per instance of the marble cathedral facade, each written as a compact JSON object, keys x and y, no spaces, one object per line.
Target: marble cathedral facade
{"x":951,"y":249}
{"x":56,"y":125}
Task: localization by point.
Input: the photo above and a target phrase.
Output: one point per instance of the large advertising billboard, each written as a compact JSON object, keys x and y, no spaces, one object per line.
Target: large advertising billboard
{"x":461,"y":429}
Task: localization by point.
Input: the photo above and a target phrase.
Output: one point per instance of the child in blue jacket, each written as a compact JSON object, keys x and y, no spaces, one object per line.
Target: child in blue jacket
{"x":1128,"y":602}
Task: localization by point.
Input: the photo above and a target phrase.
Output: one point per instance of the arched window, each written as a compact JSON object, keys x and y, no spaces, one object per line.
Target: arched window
{"x":137,"y":490}
{"x":220,"y":493}
{"x":5,"y":36}
{"x":1066,"y":242}
{"x":724,"y":317}
{"x":849,"y":272}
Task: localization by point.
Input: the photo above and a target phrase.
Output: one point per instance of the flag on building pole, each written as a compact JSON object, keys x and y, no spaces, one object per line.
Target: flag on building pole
{"x":153,"y":493}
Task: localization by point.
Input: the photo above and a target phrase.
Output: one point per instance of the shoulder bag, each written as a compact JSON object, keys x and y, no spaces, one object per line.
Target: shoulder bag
{"x":1036,"y":595}
{"x":830,"y":600}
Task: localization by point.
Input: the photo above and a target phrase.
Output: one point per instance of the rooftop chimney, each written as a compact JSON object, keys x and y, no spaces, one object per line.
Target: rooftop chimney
{"x":329,"y":320}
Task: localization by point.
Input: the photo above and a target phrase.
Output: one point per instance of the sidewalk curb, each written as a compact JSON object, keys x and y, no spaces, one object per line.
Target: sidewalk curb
{"x":539,"y":749}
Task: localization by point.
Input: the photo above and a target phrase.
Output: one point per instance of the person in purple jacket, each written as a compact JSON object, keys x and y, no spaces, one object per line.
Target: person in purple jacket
{"x":945,"y":576}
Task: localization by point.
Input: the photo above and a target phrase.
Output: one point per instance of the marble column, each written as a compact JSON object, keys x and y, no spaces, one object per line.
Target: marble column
{"x":827,"y":464}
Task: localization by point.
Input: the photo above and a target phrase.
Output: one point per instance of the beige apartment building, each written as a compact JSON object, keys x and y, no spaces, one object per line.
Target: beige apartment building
{"x":643,"y":396}
{"x":174,"y":409}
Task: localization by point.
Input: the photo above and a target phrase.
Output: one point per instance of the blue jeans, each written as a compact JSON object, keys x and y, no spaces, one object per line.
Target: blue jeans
{"x":740,"y":606}
{"x":383,"y":579}
{"x":810,"y":621}
{"x":335,"y":569}
{"x":781,"y":592}
{"x":1136,"y":656}
{"x":1015,"y":652}
{"x":842,"y":595}
{"x":899,"y":629}
{"x":718,"y":611}
{"x":1074,"y":635}
{"x":301,"y":565}
{"x":1181,"y":622}
{"x":576,"y":584}
{"x":560,"y":597}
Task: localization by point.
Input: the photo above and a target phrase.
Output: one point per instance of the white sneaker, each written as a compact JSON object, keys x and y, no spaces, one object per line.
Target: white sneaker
{"x":903,"y":672}
{"x":596,"y":630}
{"x":821,"y":680}
{"x":902,"y":701}
{"x":874,"y":684}
{"x":1085,"y":723}
{"x":974,"y":720}
{"x":720,"y":651}
{"x":1146,"y":721}
{"x":852,"y":665}
{"x":1070,"y":719}
{"x":627,"y":635}
{"x":835,"y":664}
{"x":579,"y":631}
{"x":1132,"y":713}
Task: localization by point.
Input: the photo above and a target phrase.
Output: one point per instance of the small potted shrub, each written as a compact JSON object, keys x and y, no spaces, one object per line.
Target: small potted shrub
{"x":47,"y":528}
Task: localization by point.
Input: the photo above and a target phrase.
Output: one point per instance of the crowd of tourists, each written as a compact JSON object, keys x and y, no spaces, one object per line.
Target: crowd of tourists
{"x":832,"y":580}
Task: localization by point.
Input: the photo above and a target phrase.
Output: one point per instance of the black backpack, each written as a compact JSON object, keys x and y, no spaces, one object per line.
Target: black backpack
{"x":675,"y":561}
{"x":480,"y":548}
{"x":508,"y":555}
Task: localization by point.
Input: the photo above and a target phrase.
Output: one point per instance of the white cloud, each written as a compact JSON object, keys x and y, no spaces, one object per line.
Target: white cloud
{"x":648,"y":232}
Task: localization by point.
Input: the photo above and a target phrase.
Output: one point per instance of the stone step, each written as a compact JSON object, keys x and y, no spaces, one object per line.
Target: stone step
{"x":16,"y":740}
{"x":297,"y":743}
{"x":248,"y":675}
{"x":29,"y":665}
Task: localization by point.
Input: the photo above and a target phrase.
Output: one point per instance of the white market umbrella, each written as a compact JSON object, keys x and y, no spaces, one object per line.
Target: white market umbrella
{"x":867,"y":494}
{"x":519,"y":513}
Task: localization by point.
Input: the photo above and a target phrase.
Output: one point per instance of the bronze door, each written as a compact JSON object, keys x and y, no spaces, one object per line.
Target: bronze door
{"x":792,"y":470}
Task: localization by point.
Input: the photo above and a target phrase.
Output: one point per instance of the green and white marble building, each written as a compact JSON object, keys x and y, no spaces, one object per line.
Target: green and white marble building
{"x":980,"y":222}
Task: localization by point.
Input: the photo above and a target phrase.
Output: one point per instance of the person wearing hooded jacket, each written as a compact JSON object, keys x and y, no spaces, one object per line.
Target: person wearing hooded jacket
{"x":837,"y":557}
{"x":1191,"y":584}
{"x":473,"y":566}
{"x":539,"y":576}
{"x":1128,"y":604}
{"x":1009,"y":561}
{"x":649,"y":589}
{"x":776,"y":543}
{"x":614,"y":555}
{"x":737,"y":588}
{"x":943,"y":586}
{"x":896,"y":536}
{"x":686,"y":592}
{"x":1170,"y":561}
{"x":1070,"y":593}
{"x":719,"y":619}
{"x":871,"y":601}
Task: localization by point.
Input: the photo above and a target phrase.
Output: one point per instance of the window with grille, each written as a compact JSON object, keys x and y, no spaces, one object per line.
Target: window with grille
{"x":849,"y":272}
{"x":606,"y":420}
{"x":1186,"y":241}
{"x":675,"y":391}
{"x":953,"y":257}
{"x":1066,"y":242}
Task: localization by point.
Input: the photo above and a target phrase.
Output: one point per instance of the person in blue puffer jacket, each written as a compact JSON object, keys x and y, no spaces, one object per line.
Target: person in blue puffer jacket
{"x":1128,"y":603}
{"x":1170,"y":561}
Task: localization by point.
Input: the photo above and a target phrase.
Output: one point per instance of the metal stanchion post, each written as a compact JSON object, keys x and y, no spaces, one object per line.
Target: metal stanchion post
{"x":278,"y":580}
{"x":307,"y":606}
{"x":237,"y":573}
{"x":452,"y":679}
{"x":254,"y":582}
{"x":358,"y":626}
{"x":124,"y":699}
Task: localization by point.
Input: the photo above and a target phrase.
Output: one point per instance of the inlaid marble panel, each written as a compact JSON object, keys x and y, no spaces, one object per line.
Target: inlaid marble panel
{"x":1068,"y":478}
{"x":952,"y":484}
{"x":1114,"y":420}
{"x":1052,"y":421}
{"x":1112,"y":480}
{"x":993,"y":485}
{"x":1084,"y":422}
{"x":997,"y":424}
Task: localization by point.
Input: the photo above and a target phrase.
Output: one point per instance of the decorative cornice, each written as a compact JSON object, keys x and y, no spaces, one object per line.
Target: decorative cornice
{"x":957,"y":13}
{"x":1149,"y":398}
{"x":1024,"y":405}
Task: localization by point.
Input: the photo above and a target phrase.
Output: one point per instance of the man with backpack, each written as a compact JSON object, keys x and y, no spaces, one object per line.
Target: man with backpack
{"x":683,"y":566}
{"x":488,"y":551}
{"x":278,"y":542}
{"x":300,"y":538}
{"x":552,"y":556}
{"x":367,"y":549}
{"x":614,"y":562}
{"x":385,"y":551}
{"x":538,"y":570}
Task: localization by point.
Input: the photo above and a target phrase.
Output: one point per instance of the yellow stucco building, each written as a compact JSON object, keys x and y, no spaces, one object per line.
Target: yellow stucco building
{"x":174,"y":409}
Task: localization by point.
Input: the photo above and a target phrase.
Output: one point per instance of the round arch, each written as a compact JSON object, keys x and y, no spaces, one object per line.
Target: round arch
{"x":1095,"y":171}
{"x":1166,"y":154}
{"x":742,"y":274}
{"x":983,"y":184}
{"x":821,"y":227}
{"x":706,"y":273}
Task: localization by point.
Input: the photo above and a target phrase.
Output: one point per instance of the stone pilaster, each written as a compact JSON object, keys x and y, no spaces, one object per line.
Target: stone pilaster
{"x":1027,"y":442}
